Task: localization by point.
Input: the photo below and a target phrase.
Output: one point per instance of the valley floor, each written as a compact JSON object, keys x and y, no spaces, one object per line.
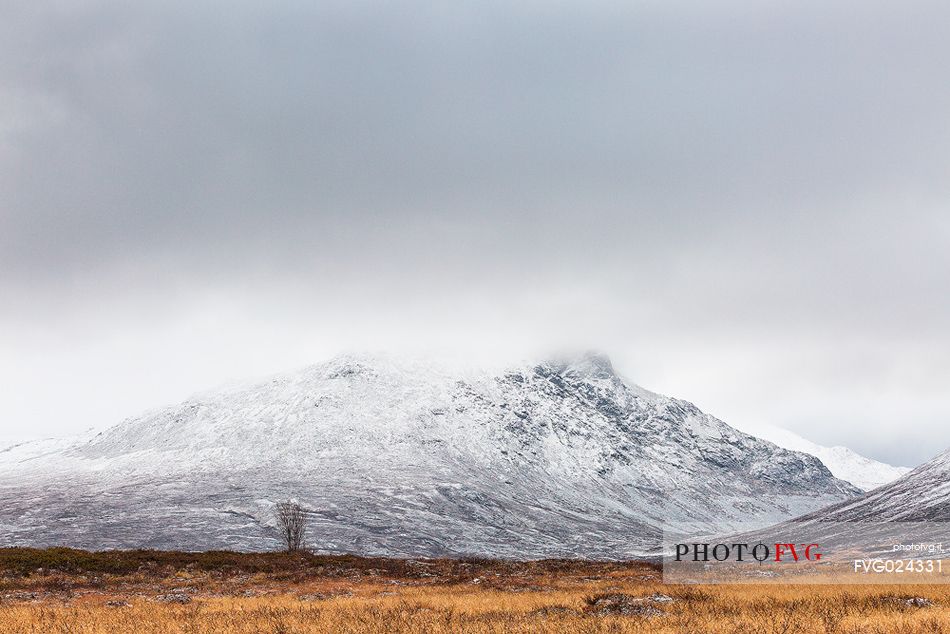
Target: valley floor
{"x":60,"y":591}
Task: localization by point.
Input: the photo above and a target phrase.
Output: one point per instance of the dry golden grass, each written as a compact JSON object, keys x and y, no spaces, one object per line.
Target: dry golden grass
{"x":376,"y":596}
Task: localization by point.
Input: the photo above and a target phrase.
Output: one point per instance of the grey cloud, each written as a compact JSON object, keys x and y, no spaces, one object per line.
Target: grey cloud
{"x":737,"y":172}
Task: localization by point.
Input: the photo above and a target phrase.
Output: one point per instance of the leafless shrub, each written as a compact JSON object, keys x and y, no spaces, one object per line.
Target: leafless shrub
{"x":292,"y":523}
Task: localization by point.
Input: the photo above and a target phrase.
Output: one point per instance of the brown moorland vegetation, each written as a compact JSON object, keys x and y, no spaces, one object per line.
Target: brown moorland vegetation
{"x":63,"y":590}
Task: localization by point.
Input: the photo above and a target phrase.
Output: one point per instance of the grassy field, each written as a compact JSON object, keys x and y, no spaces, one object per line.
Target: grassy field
{"x":49,"y":591}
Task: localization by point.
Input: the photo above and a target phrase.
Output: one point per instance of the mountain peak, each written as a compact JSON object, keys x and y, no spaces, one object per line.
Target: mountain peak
{"x":844,"y":463}
{"x":588,"y":363}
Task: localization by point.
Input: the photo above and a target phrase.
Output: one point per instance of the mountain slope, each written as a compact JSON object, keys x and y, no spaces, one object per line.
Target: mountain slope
{"x":12,"y":452}
{"x":20,"y":450}
{"x":923,"y":495}
{"x":848,"y":465}
{"x":908,"y":518}
{"x":400,"y":458}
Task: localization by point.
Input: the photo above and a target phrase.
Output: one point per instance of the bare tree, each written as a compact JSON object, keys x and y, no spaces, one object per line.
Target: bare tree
{"x":292,"y":523}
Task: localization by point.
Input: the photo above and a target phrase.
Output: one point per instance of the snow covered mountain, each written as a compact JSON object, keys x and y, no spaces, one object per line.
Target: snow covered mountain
{"x":908,"y":518}
{"x":13,"y":451}
{"x":561,"y":458}
{"x":923,"y":495}
{"x":848,"y":465}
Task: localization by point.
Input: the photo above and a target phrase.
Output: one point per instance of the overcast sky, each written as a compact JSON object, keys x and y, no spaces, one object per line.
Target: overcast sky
{"x":746,"y":204}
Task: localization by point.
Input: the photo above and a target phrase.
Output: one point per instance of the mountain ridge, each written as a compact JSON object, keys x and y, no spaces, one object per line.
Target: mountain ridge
{"x":844,"y":463}
{"x":922,"y":495}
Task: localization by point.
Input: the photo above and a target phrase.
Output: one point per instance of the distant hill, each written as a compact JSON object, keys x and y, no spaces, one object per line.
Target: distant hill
{"x":844,"y":463}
